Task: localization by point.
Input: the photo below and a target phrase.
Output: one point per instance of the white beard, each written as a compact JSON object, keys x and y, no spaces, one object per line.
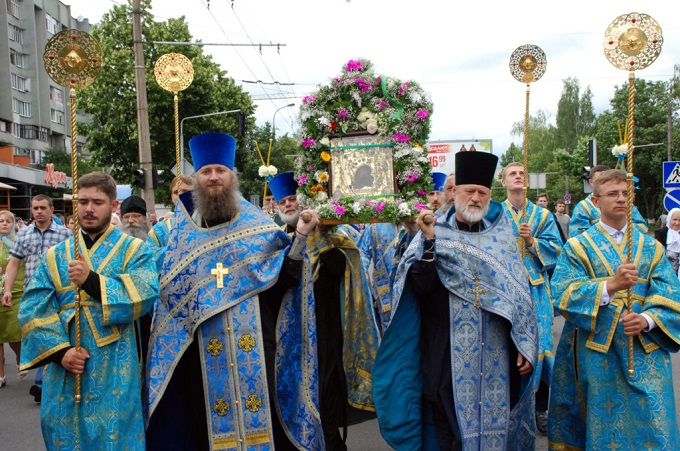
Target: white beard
{"x":290,"y":219}
{"x":471,"y":216}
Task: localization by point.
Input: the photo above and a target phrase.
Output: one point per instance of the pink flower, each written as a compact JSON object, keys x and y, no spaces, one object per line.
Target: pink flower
{"x":401,"y":138}
{"x":383,"y":104}
{"x":354,"y":65}
{"x":307,"y":143}
{"x":342,"y":113}
{"x":340,"y":210}
{"x":419,"y":206}
{"x":422,"y":114}
{"x":308,"y":99}
{"x":403,"y":87}
{"x":310,"y":167}
{"x":378,"y":80}
{"x":421,"y":193}
{"x":302,"y":180}
{"x":412,"y":177}
{"x":380,"y":207}
{"x":363,"y":86}
{"x":370,"y":202}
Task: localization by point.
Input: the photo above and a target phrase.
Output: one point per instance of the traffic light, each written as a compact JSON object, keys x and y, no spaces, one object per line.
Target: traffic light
{"x":586,"y":173}
{"x":139,"y":181}
{"x":241,"y":124}
{"x":158,"y":177}
{"x":592,"y":152}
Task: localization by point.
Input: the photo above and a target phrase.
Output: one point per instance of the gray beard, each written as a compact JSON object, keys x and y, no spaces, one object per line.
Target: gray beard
{"x":219,"y":207}
{"x":470,"y":216}
{"x":137,"y":230}
{"x":290,"y":219}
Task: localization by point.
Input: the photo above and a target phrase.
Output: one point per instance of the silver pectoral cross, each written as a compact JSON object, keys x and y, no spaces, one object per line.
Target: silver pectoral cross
{"x":477,"y":291}
{"x":219,"y":272}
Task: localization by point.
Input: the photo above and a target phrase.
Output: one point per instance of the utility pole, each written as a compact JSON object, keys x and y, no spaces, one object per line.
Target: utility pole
{"x":143,"y":137}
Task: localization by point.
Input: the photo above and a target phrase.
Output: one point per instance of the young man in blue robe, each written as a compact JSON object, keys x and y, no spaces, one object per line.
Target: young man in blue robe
{"x":347,"y":334}
{"x":586,"y":213}
{"x":231,"y":301}
{"x":540,"y":243}
{"x":595,"y":404}
{"x":118,"y":282}
{"x":454,"y":370}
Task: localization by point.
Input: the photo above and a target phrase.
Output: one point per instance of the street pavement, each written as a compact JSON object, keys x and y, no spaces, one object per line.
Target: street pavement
{"x":20,"y":415}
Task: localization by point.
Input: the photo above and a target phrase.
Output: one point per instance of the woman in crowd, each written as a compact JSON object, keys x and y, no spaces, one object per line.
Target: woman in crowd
{"x":10,"y":332}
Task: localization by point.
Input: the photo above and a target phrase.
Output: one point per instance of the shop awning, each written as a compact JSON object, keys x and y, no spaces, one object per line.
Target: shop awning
{"x":6,"y":186}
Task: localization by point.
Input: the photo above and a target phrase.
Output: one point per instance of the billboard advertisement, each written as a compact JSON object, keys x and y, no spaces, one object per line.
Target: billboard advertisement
{"x":441,"y":153}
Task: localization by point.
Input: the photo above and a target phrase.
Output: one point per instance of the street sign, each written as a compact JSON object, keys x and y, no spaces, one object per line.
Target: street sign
{"x":671,"y":174}
{"x":567,"y":199}
{"x":672,"y":200}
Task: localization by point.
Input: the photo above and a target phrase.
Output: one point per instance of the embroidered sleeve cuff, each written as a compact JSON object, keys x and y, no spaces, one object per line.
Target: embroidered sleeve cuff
{"x":428,"y":251}
{"x":299,"y":246}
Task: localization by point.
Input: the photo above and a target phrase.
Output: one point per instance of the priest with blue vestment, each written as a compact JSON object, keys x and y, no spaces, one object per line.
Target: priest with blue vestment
{"x":595,"y":404}
{"x":214,"y":377}
{"x":454,"y":370}
{"x":118,"y":282}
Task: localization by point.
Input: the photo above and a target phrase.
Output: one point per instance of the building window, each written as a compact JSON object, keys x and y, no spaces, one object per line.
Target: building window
{"x":44,"y":134}
{"x":23,"y":109}
{"x":16,"y":34}
{"x":28,"y":131}
{"x":16,"y":58}
{"x":20,"y":83}
{"x":37,"y":156}
{"x":5,"y":126}
{"x":13,"y":8}
{"x":53,"y":25}
{"x":56,"y":94}
{"x":21,"y":152}
{"x":57,"y":116}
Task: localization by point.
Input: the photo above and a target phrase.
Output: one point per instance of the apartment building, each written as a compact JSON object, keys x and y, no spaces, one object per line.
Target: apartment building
{"x":34,"y":110}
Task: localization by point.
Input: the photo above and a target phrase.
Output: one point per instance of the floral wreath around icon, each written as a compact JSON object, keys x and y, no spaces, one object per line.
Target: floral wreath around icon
{"x":358,"y":100}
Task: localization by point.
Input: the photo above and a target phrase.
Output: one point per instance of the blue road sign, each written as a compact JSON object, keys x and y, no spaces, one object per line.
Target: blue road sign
{"x":672,"y":200}
{"x":671,"y":174}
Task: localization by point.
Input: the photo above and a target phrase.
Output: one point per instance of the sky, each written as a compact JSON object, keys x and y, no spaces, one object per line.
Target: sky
{"x":459,"y":52}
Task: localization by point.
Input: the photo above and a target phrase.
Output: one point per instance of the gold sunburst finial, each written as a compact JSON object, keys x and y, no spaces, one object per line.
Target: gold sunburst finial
{"x":73,"y":59}
{"x":528,"y":63}
{"x":174,"y":72}
{"x":633,"y":41}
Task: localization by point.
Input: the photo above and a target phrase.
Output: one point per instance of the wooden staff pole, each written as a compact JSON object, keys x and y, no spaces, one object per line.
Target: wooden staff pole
{"x":630,"y":197}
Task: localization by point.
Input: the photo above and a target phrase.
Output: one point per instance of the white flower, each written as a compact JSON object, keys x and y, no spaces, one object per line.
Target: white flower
{"x":361,"y":117}
{"x":620,"y":150}
{"x":322,"y":120}
{"x":404,"y":209}
{"x":356,"y":207}
{"x":423,"y":160}
{"x":325,"y":141}
{"x":321,"y":196}
{"x":265,"y":171}
{"x":372,"y":126}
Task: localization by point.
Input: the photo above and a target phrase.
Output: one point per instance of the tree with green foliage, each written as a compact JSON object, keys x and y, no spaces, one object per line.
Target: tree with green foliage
{"x":111,"y":99}
{"x":575,"y":114}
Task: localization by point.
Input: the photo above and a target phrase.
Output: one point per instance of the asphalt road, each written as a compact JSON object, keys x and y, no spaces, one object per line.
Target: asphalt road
{"x":20,"y":415}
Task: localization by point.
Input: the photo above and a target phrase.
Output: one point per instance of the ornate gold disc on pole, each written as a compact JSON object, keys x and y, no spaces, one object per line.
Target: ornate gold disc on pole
{"x":632,"y":42}
{"x":174,"y":72}
{"x":527,"y":65}
{"x":73,"y":59}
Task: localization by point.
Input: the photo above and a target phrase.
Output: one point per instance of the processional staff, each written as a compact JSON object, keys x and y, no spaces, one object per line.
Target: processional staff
{"x":73,"y":59}
{"x":632,"y":41}
{"x":174,"y":72}
{"x":527,"y":65}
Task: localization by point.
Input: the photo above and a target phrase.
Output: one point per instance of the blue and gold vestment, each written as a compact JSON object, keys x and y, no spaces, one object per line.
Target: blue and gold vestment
{"x":377,"y":253}
{"x":586,"y":214}
{"x":157,"y":240}
{"x":110,"y":413}
{"x":594,"y":404}
{"x":226,"y":323}
{"x":547,"y":246}
{"x":479,"y":342}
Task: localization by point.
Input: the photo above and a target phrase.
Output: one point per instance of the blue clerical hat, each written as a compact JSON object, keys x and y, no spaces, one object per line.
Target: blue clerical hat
{"x":438,"y":178}
{"x":283,"y":185}
{"x":212,"y":148}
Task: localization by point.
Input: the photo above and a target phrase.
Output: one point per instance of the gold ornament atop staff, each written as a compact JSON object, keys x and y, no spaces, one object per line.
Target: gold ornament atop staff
{"x":527,"y":65}
{"x":73,"y":59}
{"x":174,"y":73}
{"x":632,"y":42}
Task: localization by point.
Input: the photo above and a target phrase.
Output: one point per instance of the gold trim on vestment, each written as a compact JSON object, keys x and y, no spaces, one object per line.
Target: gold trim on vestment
{"x":38,"y":322}
{"x":250,"y":440}
{"x":131,"y":252}
{"x":98,"y":339}
{"x":134,"y":294}
{"x":54,"y":270}
{"x":562,"y":447}
{"x":43,"y":356}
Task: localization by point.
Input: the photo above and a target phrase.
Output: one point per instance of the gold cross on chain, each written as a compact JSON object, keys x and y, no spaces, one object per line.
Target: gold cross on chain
{"x":477,"y":291}
{"x":219,"y":272}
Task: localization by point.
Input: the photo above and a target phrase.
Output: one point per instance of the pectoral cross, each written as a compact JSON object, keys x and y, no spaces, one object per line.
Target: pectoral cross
{"x":477,"y":292}
{"x":219,"y":272}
